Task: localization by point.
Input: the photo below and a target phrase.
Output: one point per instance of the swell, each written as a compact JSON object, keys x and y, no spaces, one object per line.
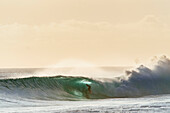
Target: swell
{"x":74,"y":88}
{"x":138,"y":82}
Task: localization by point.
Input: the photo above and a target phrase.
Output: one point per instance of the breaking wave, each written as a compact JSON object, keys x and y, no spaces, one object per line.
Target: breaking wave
{"x":138,"y":82}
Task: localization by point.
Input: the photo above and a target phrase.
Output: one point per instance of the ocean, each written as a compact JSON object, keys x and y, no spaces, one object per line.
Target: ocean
{"x":88,"y":89}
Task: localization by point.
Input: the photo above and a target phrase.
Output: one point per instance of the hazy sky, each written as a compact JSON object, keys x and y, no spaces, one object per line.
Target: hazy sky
{"x":37,"y":33}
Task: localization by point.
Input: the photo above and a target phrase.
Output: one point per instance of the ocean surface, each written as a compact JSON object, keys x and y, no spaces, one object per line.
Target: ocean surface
{"x":87,"y":89}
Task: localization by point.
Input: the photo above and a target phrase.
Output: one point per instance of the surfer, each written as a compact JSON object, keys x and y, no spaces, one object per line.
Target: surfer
{"x":88,"y":91}
{"x":89,"y":88}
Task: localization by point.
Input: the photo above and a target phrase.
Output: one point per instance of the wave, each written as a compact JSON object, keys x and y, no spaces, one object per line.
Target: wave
{"x":138,"y":82}
{"x":58,"y":87}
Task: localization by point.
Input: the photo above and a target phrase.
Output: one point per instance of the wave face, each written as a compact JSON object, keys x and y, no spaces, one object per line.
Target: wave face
{"x":141,"y":81}
{"x":59,"y":87}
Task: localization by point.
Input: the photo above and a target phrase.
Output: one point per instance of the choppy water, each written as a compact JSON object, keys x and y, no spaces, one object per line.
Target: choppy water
{"x":159,"y":104}
{"x":142,"y":89}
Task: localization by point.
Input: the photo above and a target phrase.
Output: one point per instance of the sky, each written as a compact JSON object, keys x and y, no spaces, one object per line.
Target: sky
{"x":40,"y":33}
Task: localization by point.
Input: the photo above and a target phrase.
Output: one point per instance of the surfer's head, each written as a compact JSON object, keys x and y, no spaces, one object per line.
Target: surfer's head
{"x":88,"y":86}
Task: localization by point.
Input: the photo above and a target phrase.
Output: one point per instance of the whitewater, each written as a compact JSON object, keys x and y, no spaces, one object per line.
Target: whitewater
{"x":111,"y":89}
